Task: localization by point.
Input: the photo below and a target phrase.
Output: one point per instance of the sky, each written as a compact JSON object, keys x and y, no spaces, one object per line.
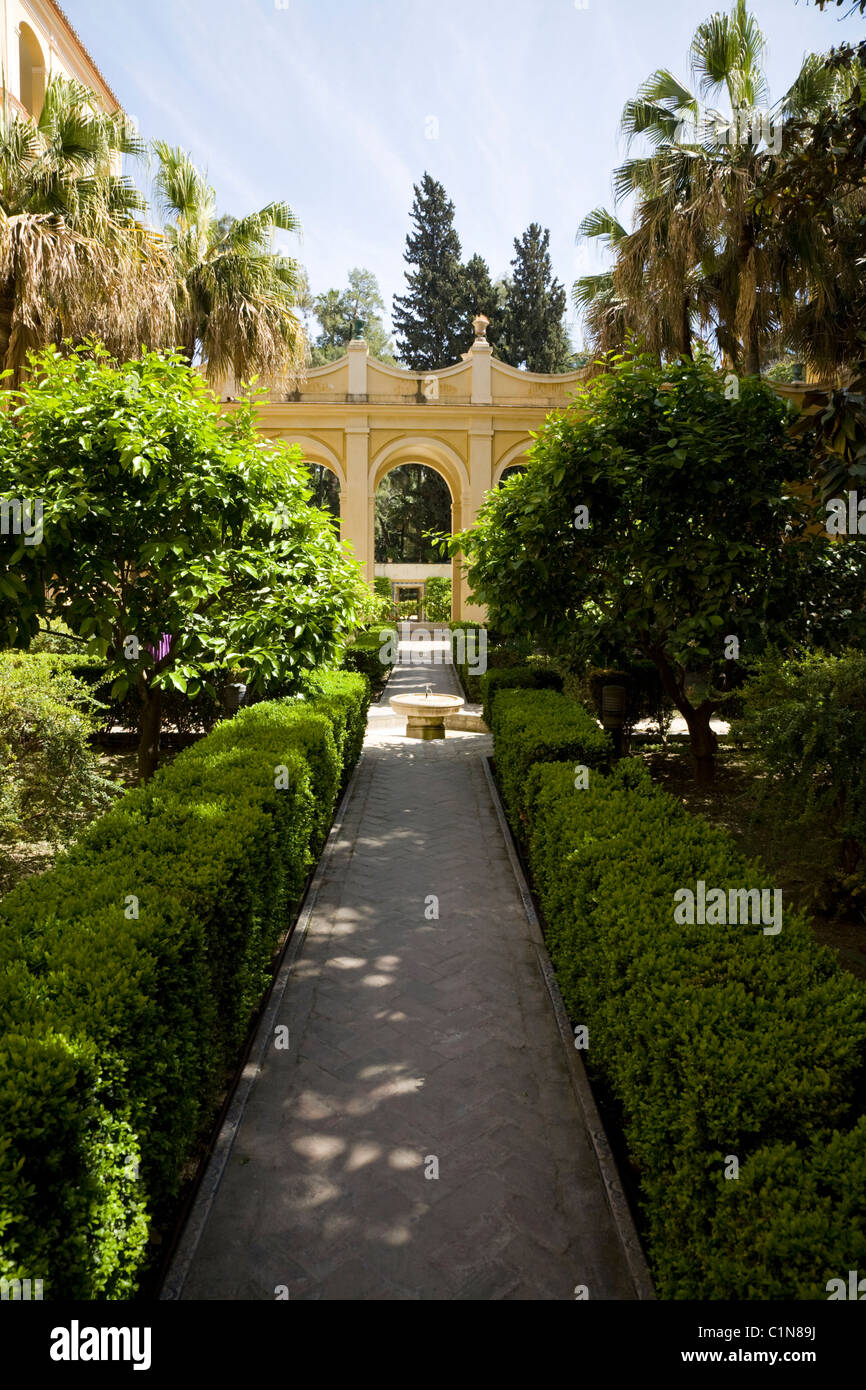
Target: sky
{"x":340,"y":106}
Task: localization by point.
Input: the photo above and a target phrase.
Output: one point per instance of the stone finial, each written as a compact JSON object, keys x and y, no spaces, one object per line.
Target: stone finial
{"x":480,"y":324}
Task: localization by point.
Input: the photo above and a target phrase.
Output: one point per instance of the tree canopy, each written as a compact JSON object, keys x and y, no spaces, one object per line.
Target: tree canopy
{"x":673,"y":510}
{"x":175,"y":541}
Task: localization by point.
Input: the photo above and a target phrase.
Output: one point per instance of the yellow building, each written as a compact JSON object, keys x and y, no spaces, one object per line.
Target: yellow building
{"x":360,"y":418}
{"x":36,"y":41}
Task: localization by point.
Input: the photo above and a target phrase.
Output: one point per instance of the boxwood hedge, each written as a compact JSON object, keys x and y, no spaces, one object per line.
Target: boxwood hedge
{"x":717,"y":1042}
{"x":129,"y":975}
{"x":363,"y":654}
{"x":540,"y":726}
{"x":514,"y":678}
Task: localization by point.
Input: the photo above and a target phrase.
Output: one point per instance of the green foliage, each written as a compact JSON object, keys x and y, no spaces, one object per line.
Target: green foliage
{"x":162,"y":515}
{"x":235,"y":294}
{"x":532,"y":320}
{"x":121,"y":1028}
{"x":805,"y":1214}
{"x":344,"y":697}
{"x":482,"y":296}
{"x":48,"y":774}
{"x":512,"y":677}
{"x":372,"y":653}
{"x":691,"y":519}
{"x":429,"y":319}
{"x":437,"y":600}
{"x":535,"y":726}
{"x":804,"y":719}
{"x":713,"y":1040}
{"x":411,"y":502}
{"x":338,"y":311}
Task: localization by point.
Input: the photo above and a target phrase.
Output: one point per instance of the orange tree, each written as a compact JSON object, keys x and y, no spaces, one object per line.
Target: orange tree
{"x":172,"y":539}
{"x":665,"y":503}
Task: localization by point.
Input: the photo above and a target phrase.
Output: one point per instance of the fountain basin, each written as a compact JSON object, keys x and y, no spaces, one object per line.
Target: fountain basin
{"x":425,"y":714}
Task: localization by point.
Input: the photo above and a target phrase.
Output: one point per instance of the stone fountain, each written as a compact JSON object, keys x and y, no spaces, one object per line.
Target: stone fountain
{"x":425,"y":714}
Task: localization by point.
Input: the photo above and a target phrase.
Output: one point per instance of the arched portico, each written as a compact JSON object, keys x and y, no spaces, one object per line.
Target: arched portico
{"x":361,"y":418}
{"x":445,"y":461}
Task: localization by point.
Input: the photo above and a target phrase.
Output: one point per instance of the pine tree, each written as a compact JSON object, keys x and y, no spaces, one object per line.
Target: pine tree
{"x":533,"y":328}
{"x":430,"y":319}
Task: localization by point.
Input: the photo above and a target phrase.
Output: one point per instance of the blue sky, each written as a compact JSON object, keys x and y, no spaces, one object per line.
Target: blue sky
{"x":327,"y":103}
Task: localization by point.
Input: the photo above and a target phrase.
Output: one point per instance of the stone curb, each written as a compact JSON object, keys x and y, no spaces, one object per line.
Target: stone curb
{"x":173,"y":1284}
{"x":616,"y":1198}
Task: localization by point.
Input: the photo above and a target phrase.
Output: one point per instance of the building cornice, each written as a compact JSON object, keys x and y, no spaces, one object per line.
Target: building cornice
{"x":75,"y":39}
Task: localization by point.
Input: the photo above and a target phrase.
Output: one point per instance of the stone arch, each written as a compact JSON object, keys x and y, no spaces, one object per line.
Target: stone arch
{"x":433,"y":453}
{"x":515,"y":455}
{"x":444,"y":460}
{"x":32,"y":70}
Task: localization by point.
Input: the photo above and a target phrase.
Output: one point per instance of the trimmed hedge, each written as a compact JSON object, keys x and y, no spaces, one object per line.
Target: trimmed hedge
{"x":714,"y":1040}
{"x":362,"y":654}
{"x":344,"y":696}
{"x":540,"y":726}
{"x":121,"y":1030}
{"x":508,"y":677}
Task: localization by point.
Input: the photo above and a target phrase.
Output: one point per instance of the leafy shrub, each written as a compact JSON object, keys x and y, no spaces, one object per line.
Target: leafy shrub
{"x":645,"y":698}
{"x":124,"y":1015}
{"x":509,"y":677}
{"x":364,"y":653}
{"x":344,"y":696}
{"x":805,"y":1213}
{"x":48,"y":773}
{"x":471,"y":677}
{"x":534,"y":726}
{"x":805,"y":721}
{"x":714,"y":1041}
{"x":437,"y":600}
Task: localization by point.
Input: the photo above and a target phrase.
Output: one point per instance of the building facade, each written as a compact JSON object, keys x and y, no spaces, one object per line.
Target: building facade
{"x":360,"y":418}
{"x":36,"y":41}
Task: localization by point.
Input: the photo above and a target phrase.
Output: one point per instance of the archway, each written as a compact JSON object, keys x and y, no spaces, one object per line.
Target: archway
{"x":412,"y":500}
{"x":440,"y":456}
{"x":31,"y":72}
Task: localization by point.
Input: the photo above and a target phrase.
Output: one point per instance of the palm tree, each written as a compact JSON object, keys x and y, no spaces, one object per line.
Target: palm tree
{"x":702,"y":258}
{"x":75,"y":260}
{"x":235,"y":298}
{"x":593,"y":295}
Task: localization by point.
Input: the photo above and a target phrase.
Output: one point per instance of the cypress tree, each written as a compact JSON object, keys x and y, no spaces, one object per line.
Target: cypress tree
{"x":533,"y":328}
{"x":482,"y":296}
{"x":430,"y":319}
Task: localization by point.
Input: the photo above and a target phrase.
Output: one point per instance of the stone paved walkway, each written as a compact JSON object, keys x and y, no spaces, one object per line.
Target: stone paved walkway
{"x":417,"y":1043}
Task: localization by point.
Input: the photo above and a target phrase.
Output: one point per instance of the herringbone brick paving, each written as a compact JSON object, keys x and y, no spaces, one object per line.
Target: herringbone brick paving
{"x":414,"y":1038}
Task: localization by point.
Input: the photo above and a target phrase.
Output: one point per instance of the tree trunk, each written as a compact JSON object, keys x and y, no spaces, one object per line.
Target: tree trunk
{"x":149,"y":725}
{"x":752,"y":354}
{"x":687,"y":328}
{"x":7,"y":311}
{"x":703,"y":744}
{"x":702,"y":739}
{"x":753,"y":351}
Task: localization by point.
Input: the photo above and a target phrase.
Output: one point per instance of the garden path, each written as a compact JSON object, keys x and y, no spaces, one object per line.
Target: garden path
{"x":422,"y":1135}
